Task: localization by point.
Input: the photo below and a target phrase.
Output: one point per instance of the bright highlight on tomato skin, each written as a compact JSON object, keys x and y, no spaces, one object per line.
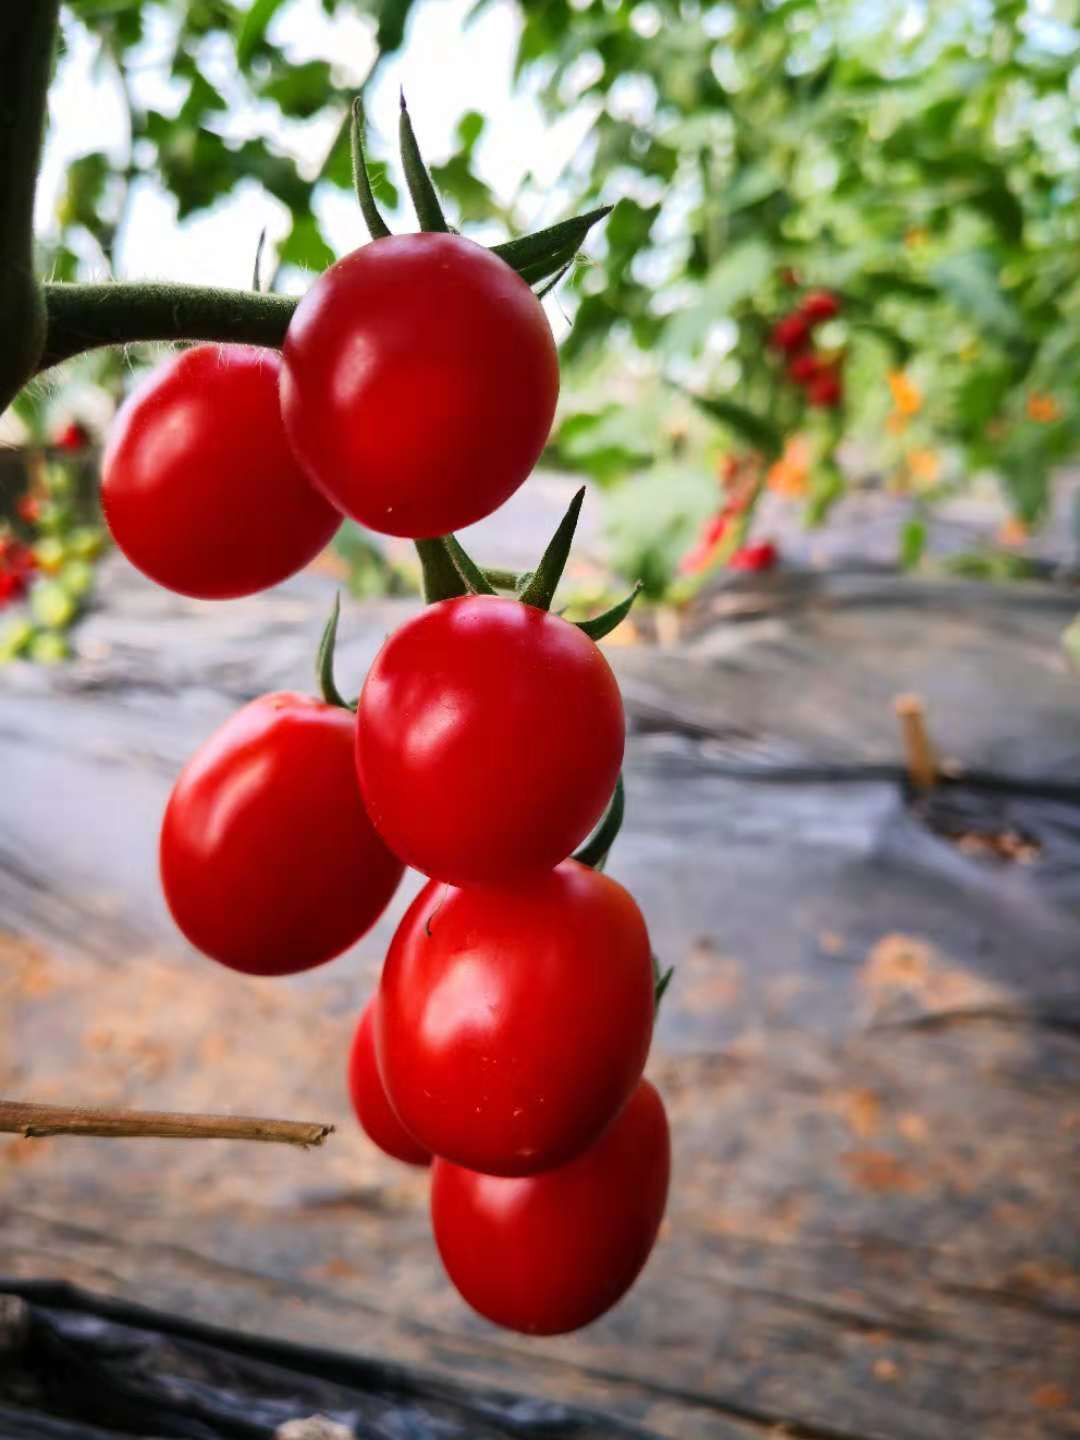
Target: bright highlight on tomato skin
{"x":550,"y":1253}
{"x":490,"y":736}
{"x":199,"y":486}
{"x":269,"y":862}
{"x":514,"y":1022}
{"x":368,"y":1095}
{"x":418,"y":383}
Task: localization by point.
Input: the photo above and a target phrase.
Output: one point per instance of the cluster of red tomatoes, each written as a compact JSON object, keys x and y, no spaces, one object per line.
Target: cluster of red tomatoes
{"x":506,"y":1041}
{"x":17,"y":566}
{"x":819,"y":375}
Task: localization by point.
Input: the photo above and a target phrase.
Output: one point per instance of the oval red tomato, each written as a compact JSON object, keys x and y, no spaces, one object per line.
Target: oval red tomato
{"x":514,"y":1022}
{"x":373,"y":1110}
{"x":419,"y":383}
{"x":552,"y":1252}
{"x":199,"y":486}
{"x":268,"y":859}
{"x":489,"y":741}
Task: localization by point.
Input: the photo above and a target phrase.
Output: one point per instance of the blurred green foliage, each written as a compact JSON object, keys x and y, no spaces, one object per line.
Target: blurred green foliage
{"x":921,"y":161}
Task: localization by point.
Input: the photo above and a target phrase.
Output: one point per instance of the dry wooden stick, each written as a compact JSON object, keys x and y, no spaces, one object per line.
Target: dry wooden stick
{"x":33,"y":1121}
{"x":922,"y":765}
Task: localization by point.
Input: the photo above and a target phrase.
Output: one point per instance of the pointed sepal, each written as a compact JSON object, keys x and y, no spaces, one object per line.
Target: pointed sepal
{"x":601,"y":625}
{"x":541,"y":254}
{"x":661,"y":981}
{"x":595,"y":851}
{"x":377,"y":226}
{"x":324,"y":661}
{"x":424,"y":196}
{"x":474,"y":578}
{"x":540,"y":590}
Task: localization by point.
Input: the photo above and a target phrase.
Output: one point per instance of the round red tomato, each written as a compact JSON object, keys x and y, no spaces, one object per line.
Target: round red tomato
{"x":791,"y":333}
{"x":198,"y":484}
{"x":268,"y":859}
{"x":489,"y":741}
{"x":514,"y":1022}
{"x":820,"y":305}
{"x":373,"y":1109}
{"x":552,"y":1252}
{"x":419,"y":383}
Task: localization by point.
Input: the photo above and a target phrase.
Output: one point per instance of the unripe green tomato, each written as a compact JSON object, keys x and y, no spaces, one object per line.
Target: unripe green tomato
{"x":87,"y":542}
{"x":14,"y":638}
{"x":51,"y":605}
{"x":49,"y":554}
{"x":53,"y":517}
{"x":48,"y":648}
{"x":77,"y":577}
{"x":59,"y":482}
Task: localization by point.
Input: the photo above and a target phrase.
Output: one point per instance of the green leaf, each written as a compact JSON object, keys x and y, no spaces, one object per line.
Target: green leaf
{"x":300,"y":91}
{"x":257,"y":18}
{"x":601,"y":625}
{"x":392,"y":17}
{"x":540,"y":590}
{"x":424,"y":197}
{"x":304,"y":245}
{"x":469,"y":129}
{"x":743,"y":271}
{"x":762,"y":434}
{"x":912,"y":543}
{"x":970,"y":281}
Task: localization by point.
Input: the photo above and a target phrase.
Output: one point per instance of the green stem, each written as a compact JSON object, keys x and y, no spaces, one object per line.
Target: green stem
{"x":27,"y":41}
{"x":502,"y":579}
{"x":441,"y":579}
{"x":84,"y":317}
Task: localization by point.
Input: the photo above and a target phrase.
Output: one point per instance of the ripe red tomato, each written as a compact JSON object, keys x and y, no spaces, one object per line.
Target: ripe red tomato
{"x":373,"y":1109}
{"x":820,"y":305}
{"x":419,"y":383}
{"x":552,"y":1252}
{"x":199,"y":486}
{"x":268,"y":859}
{"x":791,"y":333}
{"x":72,"y":437}
{"x":826,"y":390}
{"x":490,"y":736}
{"x":804,"y":367}
{"x":514,"y":1022}
{"x":762,"y":556}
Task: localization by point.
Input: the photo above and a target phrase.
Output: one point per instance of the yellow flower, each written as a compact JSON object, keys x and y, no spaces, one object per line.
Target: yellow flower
{"x":906,"y":397}
{"x":1012,"y":531}
{"x":790,"y":475}
{"x":1043,"y":408}
{"x":925,"y":466}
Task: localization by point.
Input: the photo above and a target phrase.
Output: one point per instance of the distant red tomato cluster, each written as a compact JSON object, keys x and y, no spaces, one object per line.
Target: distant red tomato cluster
{"x":17,"y":565}
{"x":793,"y":335}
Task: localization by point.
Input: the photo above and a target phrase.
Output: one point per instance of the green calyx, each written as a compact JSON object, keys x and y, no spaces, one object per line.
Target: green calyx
{"x":324,"y":661}
{"x":449,"y":571}
{"x":546,"y":255}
